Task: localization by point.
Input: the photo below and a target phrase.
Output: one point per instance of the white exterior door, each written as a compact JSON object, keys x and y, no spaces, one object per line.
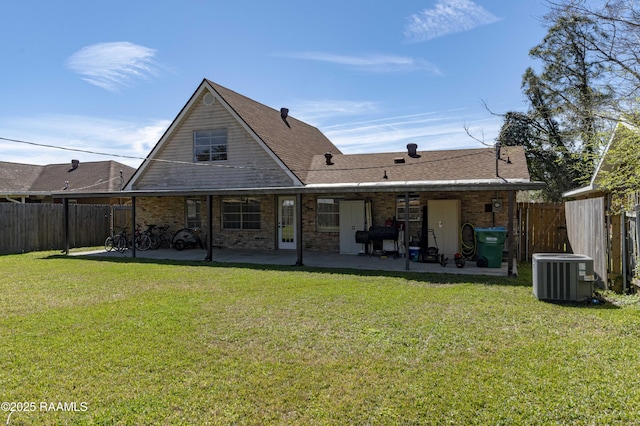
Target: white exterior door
{"x":444,"y":219}
{"x":351,"y":220}
{"x":287,"y":223}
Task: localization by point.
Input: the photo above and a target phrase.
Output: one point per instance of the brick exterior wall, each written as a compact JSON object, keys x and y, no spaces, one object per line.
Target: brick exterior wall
{"x":172,"y":211}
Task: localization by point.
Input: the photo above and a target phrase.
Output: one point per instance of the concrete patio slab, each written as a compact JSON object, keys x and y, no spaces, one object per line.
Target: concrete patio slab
{"x":310,"y":259}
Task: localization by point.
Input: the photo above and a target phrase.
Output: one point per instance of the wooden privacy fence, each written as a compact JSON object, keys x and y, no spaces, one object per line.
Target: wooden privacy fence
{"x":543,"y":229}
{"x":33,"y":227}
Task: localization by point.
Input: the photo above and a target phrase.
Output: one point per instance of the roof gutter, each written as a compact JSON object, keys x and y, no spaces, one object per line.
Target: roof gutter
{"x":411,"y":186}
{"x":585,"y":190}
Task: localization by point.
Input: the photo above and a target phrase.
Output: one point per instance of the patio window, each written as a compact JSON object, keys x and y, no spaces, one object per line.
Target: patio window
{"x":241,"y":213}
{"x":328,"y":214}
{"x":193,"y":215}
{"x":210,"y":145}
{"x":414,"y":208}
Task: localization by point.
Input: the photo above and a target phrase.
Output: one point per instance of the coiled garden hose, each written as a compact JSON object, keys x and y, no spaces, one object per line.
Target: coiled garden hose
{"x":468,"y":241}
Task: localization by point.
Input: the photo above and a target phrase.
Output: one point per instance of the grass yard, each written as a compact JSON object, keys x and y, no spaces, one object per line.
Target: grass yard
{"x":86,"y":341}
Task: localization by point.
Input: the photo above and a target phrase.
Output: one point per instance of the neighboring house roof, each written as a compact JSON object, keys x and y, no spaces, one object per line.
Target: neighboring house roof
{"x":96,"y":176}
{"x":449,"y":165}
{"x":17,"y":177}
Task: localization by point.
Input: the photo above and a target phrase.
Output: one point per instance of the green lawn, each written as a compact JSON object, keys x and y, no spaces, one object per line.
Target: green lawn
{"x":142,"y":342}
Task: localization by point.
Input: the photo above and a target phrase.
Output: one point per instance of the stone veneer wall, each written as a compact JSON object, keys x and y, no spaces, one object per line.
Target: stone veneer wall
{"x":171,"y":211}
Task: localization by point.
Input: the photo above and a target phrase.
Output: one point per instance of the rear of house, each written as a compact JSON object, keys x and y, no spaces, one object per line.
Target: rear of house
{"x":256,"y":177}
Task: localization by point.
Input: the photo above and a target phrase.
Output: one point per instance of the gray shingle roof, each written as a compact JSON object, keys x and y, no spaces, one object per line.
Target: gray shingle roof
{"x":295,"y":145}
{"x":16,"y":177}
{"x":301,"y":147}
{"x":96,"y":176}
{"x":449,"y":165}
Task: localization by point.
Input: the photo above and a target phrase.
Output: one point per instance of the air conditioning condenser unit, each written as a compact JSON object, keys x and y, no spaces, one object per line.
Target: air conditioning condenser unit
{"x":562,"y":276}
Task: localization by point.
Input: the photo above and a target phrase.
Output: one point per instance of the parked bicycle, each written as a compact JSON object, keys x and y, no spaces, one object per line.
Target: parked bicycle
{"x":122,"y":241}
{"x":142,"y":240}
{"x":117,"y":241}
{"x":159,"y":235}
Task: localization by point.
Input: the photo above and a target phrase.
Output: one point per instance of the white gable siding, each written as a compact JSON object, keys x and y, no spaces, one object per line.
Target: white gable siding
{"x":247,"y":164}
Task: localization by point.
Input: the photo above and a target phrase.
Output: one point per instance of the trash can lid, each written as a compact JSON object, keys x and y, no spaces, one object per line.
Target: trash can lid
{"x":493,"y":229}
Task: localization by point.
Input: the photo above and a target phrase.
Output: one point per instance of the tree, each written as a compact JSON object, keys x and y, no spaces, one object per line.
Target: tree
{"x":622,"y":176}
{"x":552,"y":166}
{"x":576,"y":87}
{"x":563,"y":127}
{"x":617,"y":43}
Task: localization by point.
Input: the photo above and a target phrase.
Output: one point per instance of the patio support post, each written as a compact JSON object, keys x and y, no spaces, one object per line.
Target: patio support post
{"x":133,"y":227}
{"x":299,"y":244}
{"x":209,"y":257}
{"x":406,"y":230}
{"x":66,"y":226}
{"x":510,"y":234}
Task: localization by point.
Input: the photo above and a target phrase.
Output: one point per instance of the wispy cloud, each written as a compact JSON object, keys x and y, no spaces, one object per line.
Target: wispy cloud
{"x":365,"y":126}
{"x":369,"y":63}
{"x":115,"y":137}
{"x":447,"y":17}
{"x":112,"y":66}
{"x":431,"y":131}
{"x":322,"y":110}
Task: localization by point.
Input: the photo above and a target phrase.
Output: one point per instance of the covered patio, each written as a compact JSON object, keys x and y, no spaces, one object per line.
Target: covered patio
{"x":312,"y":259}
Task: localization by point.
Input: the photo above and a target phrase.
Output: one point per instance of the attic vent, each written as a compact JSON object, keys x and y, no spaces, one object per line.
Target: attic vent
{"x":284,"y":113}
{"x":398,"y":160}
{"x":208,"y":99}
{"x":412,"y":150}
{"x":75,"y":164}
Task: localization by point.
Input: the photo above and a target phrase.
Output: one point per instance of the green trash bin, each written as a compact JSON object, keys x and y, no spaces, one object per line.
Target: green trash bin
{"x":490,"y":244}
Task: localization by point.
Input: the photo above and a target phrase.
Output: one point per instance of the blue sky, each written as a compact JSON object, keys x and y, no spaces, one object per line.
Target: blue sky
{"x":109,"y":77}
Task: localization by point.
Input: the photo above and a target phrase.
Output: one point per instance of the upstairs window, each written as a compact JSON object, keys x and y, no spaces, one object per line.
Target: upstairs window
{"x":210,"y":145}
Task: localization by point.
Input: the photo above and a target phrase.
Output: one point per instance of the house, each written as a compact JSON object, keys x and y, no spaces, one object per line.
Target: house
{"x":596,"y":228}
{"x":255,"y":177}
{"x":27,"y":183}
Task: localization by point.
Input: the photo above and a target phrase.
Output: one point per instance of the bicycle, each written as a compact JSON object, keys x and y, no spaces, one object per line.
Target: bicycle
{"x":160,"y":237}
{"x":142,"y":240}
{"x":117,"y":241}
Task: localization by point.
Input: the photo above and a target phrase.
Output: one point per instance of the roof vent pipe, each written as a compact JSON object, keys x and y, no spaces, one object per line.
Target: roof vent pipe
{"x":284,"y":113}
{"x":328,"y":156}
{"x":411,"y":149}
